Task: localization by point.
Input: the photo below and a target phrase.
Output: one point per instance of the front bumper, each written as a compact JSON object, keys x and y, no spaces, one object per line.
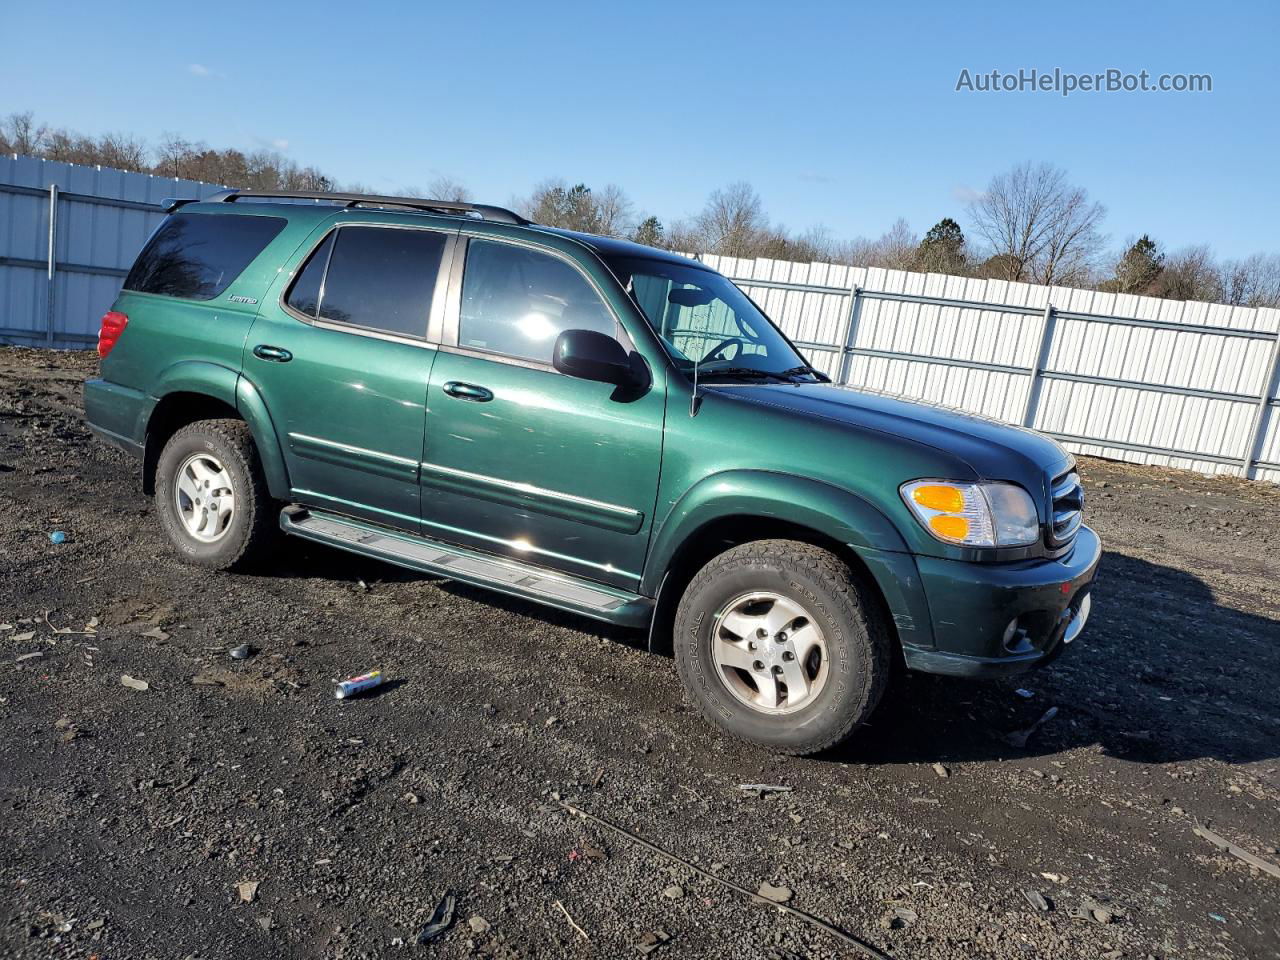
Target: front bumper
{"x":972,"y":604}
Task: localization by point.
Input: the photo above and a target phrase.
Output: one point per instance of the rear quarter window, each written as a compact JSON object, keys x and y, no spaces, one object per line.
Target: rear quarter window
{"x":196,"y":256}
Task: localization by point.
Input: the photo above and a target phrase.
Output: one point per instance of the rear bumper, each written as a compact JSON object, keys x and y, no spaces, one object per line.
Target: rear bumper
{"x":114,"y":413}
{"x":126,"y":444}
{"x":971,"y":606}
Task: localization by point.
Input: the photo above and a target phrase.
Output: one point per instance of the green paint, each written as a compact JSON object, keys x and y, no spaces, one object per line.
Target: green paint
{"x":605,"y":485}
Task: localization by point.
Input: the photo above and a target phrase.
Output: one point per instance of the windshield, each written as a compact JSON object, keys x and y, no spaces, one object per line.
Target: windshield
{"x":704,"y":320}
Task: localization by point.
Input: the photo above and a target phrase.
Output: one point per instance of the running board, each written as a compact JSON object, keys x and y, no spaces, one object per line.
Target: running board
{"x":468,"y":566}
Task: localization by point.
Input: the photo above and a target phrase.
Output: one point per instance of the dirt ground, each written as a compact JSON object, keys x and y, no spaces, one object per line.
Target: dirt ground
{"x":129,"y":817}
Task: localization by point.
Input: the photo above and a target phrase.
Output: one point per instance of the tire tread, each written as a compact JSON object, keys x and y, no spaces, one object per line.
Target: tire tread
{"x":255,"y":499}
{"x":844,"y":584}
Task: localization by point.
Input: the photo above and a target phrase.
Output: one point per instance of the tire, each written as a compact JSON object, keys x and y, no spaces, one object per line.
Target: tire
{"x":250,"y":525}
{"x":854,"y":642}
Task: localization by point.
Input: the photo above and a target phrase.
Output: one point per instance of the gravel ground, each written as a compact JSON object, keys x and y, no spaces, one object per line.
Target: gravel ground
{"x":130,"y":818}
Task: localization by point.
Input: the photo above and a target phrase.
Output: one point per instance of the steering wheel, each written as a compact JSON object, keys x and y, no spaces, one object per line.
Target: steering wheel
{"x":724,"y":345}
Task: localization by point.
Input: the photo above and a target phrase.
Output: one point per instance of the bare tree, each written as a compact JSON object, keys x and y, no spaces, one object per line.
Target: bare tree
{"x":447,"y":188}
{"x":20,"y":134}
{"x":556,"y":204}
{"x":897,"y":247}
{"x":123,"y":152}
{"x":858,"y":252}
{"x":173,"y":157}
{"x":1190,"y":274}
{"x":614,"y":211}
{"x":732,"y":222}
{"x":1251,"y":282}
{"x":1072,"y":243}
{"x":1038,"y":226}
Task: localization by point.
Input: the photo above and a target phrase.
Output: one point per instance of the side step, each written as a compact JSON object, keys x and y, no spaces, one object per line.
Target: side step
{"x":469,"y":566}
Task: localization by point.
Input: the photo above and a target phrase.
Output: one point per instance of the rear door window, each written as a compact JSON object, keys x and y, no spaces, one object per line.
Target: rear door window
{"x":196,"y":256}
{"x":378,"y":278}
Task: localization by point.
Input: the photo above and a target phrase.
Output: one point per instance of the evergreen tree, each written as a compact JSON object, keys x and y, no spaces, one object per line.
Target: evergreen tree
{"x":942,"y":250}
{"x":649,"y":232}
{"x":1139,"y":269}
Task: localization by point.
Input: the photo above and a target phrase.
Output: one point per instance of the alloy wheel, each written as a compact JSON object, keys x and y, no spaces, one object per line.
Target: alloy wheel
{"x":769,"y":652}
{"x":204,"y":497}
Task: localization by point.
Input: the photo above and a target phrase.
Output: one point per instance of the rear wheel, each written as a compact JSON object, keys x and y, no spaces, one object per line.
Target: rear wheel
{"x":211,"y":494}
{"x":778,"y":644}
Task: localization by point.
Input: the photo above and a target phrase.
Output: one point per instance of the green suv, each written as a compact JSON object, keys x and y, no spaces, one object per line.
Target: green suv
{"x":590,"y":424}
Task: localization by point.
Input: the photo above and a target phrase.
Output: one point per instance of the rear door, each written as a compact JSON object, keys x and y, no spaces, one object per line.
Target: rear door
{"x":341,"y":356}
{"x":520,"y":459}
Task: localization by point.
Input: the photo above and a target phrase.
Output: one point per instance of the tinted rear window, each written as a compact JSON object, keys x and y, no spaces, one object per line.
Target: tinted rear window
{"x":197,"y":255}
{"x":381,"y":278}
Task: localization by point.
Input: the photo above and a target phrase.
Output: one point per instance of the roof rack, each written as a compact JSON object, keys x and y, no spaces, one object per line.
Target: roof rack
{"x":450,"y":207}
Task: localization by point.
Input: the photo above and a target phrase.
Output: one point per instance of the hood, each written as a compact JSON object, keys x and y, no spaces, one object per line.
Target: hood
{"x":994,"y":450}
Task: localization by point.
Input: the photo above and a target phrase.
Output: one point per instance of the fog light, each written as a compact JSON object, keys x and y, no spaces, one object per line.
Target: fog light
{"x":1010,"y":634}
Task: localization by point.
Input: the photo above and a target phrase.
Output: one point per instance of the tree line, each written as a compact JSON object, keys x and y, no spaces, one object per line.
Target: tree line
{"x":174,"y":156}
{"x":1031,"y":224}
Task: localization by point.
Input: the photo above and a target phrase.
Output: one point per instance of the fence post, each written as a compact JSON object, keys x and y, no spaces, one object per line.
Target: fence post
{"x":52,"y":264}
{"x":1258,"y":434}
{"x":850,"y":334}
{"x":1047,"y":324}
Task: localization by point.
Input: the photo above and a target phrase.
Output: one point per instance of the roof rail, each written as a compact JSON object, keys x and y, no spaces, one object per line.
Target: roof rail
{"x":451,"y":207}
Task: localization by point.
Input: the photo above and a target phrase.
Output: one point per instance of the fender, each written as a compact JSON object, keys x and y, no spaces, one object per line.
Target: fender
{"x":228,"y":386}
{"x":189,"y":376}
{"x":254,"y":410}
{"x":837,"y":513}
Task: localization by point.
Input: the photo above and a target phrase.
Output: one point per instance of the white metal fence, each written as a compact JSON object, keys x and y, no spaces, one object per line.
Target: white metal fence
{"x":1135,"y":378}
{"x":68,"y":235}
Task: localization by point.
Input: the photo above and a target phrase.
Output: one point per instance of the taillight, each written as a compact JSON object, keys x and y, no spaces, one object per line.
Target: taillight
{"x":113,"y":324}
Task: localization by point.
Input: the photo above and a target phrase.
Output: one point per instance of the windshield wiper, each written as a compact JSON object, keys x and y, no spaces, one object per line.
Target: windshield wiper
{"x":752,"y":373}
{"x":805,"y":368}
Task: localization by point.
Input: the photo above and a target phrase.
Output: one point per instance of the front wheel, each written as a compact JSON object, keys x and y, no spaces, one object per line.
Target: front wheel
{"x":778,"y":644}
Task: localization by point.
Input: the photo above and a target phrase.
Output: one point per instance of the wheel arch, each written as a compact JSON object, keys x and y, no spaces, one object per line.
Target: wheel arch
{"x":725,"y":510}
{"x":197,"y":390}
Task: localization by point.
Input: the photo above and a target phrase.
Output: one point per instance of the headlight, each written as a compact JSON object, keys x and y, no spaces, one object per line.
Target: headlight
{"x":974,"y":514}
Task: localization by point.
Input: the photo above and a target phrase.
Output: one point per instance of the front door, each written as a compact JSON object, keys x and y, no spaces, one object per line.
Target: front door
{"x":343,"y":363}
{"x":525,"y":461}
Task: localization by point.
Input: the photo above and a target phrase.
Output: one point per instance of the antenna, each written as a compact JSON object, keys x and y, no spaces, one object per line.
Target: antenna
{"x":693,"y":401}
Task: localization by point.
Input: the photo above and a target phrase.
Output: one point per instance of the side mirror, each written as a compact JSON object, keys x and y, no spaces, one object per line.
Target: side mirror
{"x":591,"y":355}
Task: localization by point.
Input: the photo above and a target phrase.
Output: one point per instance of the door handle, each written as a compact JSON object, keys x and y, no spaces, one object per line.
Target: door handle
{"x":276,"y":354}
{"x":468,"y":391}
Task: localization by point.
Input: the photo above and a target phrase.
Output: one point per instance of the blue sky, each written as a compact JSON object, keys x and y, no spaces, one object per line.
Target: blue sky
{"x":840,"y":114}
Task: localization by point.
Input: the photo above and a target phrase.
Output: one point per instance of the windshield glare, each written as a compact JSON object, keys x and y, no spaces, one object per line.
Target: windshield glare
{"x":703,"y":319}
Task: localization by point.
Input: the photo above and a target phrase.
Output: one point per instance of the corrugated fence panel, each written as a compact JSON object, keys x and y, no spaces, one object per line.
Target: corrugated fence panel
{"x":975,"y":342}
{"x":1271,"y":449}
{"x":103,"y":217}
{"x":1122,"y":379}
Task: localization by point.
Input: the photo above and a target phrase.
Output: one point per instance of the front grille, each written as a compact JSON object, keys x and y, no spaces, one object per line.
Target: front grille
{"x":1068,"y":508}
